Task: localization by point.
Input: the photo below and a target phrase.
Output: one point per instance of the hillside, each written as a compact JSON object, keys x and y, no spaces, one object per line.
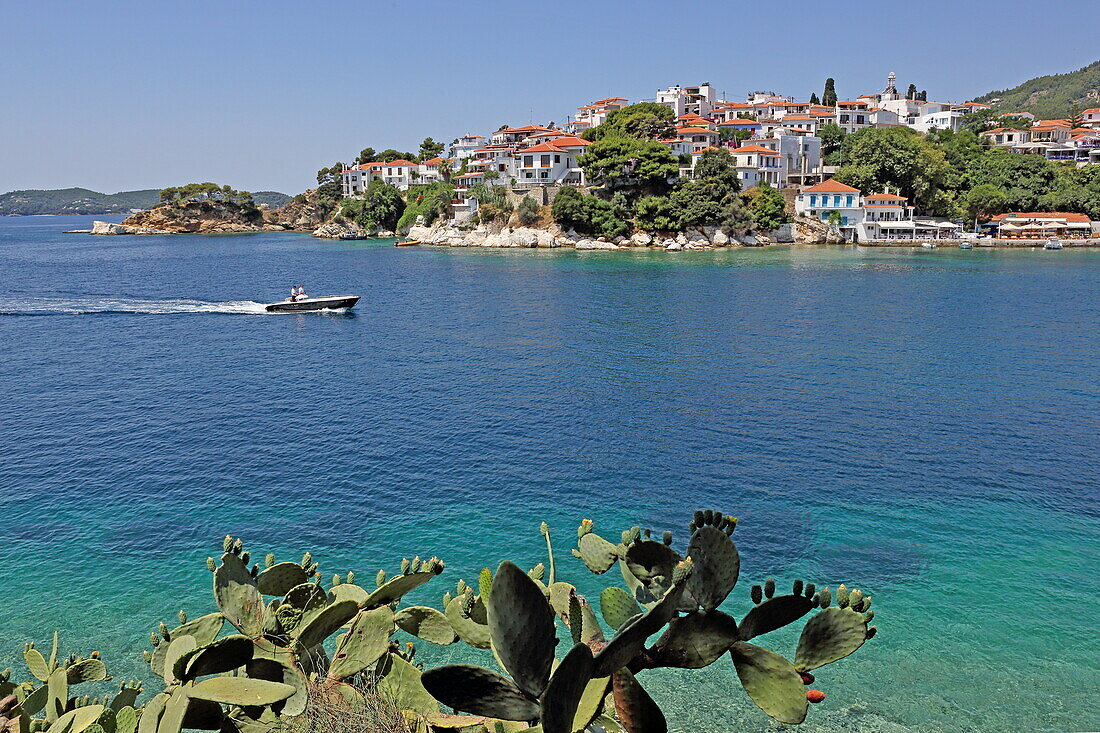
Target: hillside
{"x":85,"y":201}
{"x":75,"y":201}
{"x":1051,"y":97}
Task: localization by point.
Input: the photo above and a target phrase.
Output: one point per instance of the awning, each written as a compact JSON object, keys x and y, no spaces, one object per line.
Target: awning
{"x":1010,"y":226}
{"x":895,"y":224}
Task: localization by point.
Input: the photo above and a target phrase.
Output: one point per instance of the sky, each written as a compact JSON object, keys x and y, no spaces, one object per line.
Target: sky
{"x":130,"y":95}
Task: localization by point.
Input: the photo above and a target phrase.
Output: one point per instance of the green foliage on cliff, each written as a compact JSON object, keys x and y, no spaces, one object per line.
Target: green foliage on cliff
{"x":587,"y":214}
{"x":206,"y":192}
{"x":75,"y":201}
{"x":630,"y":163}
{"x":380,"y":207}
{"x":645,"y":121}
{"x":432,"y":201}
{"x":1056,"y":96}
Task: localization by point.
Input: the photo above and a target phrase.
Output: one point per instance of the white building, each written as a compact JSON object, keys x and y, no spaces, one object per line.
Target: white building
{"x":551,"y":163}
{"x":681,"y":100}
{"x":876,"y":216}
{"x":465,"y":146}
{"x":594,"y":114}
{"x":1003,"y":137}
{"x":698,"y":138}
{"x":755,"y":163}
{"x":1091,"y":118}
{"x":942,"y":120}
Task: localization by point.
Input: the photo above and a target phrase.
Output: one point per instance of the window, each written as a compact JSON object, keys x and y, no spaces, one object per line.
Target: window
{"x":557,"y":158}
{"x":545,"y":160}
{"x":849,"y":204}
{"x":528,"y":161}
{"x":813,"y":200}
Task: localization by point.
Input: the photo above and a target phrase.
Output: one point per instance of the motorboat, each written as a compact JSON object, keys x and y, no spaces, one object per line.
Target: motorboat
{"x":331,"y":302}
{"x":928,"y":245}
{"x":965,"y":245}
{"x":353,"y":234}
{"x":1052,"y":244}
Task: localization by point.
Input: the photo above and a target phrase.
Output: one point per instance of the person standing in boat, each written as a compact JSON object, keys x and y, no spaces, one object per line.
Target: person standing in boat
{"x":293,"y":293}
{"x":302,"y":293}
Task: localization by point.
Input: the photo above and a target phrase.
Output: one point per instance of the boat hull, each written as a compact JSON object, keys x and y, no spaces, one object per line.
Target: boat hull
{"x":313,"y":304}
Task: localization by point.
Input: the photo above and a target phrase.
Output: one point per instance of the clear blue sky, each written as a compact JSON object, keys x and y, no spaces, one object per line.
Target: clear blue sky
{"x":126,"y":95}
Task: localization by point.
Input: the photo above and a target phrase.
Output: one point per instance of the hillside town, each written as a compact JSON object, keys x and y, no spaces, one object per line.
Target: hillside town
{"x":772,"y":140}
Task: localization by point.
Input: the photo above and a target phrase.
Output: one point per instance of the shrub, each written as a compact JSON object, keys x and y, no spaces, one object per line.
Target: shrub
{"x":528,"y":211}
{"x":587,"y":214}
{"x":656,"y":213}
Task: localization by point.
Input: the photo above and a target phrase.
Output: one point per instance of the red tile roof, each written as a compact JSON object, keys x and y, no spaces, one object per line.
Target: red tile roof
{"x":695,"y":131}
{"x":831,"y":186}
{"x":746,"y":149}
{"x":885,"y":196}
{"x":397,"y":163}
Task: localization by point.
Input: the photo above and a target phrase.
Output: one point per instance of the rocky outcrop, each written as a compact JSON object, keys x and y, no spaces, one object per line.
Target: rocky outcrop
{"x":107,"y":227}
{"x":303,"y":213}
{"x":805,"y":230}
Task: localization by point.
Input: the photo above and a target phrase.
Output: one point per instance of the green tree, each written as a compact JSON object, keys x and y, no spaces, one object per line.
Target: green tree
{"x":645,"y":121}
{"x":366,"y":155}
{"x":717,"y":166}
{"x":587,"y":214}
{"x":380,"y":207}
{"x":629,"y":163}
{"x":767,"y":208}
{"x":983,"y":201}
{"x":814,"y":98}
{"x":832,"y":138}
{"x":899,"y":158}
{"x":923,"y":95}
{"x":912,"y":93}
{"x":430,"y":149}
{"x":330,"y":174}
{"x":527,"y":212}
{"x":828,"y":97}
{"x":656,"y":213}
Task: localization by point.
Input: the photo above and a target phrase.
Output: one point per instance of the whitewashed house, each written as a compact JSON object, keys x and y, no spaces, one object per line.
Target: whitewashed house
{"x":755,"y":163}
{"x":465,"y":146}
{"x":551,"y":163}
{"x":1003,"y":137}
{"x":594,"y":114}
{"x":681,"y":100}
{"x":698,"y":138}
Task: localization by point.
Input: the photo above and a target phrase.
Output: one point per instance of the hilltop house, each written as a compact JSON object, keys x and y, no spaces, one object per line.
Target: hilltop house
{"x":594,"y":114}
{"x":681,"y":100}
{"x":465,"y":146}
{"x":551,"y":163}
{"x":1091,"y":118}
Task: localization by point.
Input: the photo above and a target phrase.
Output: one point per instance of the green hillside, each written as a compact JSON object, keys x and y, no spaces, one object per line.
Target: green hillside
{"x":273,"y":199}
{"x":1051,"y":97}
{"x":75,"y":201}
{"x":85,"y":201}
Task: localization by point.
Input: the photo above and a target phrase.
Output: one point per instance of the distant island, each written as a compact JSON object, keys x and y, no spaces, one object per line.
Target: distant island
{"x":83,"y":201}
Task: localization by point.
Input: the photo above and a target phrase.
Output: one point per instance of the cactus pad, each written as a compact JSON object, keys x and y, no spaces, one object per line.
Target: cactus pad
{"x":630,"y":640}
{"x":563,"y":693}
{"x":771,"y":681}
{"x":324,"y":624}
{"x":634,"y":707}
{"x":469,"y":630}
{"x":521,"y":625}
{"x":402,"y":683}
{"x":774,"y":613}
{"x":617,"y":607}
{"x":479,"y":691}
{"x":86,"y":670}
{"x":237,"y":596}
{"x":204,"y":628}
{"x":392,"y":590}
{"x":223,"y":655}
{"x":277,"y":580}
{"x":717,"y":566}
{"x":78,"y":720}
{"x":597,"y":553}
{"x":426,"y":623}
{"x":695,"y":640}
{"x":833,"y":633}
{"x":36,"y":663}
{"x":240,"y":691}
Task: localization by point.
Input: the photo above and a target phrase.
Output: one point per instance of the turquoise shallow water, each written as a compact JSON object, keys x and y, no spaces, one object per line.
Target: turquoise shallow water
{"x":920,"y":423}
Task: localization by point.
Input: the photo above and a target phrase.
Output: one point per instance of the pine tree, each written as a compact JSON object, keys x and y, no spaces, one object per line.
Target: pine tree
{"x":814,"y":99}
{"x":912,"y":92}
{"x":828,"y":98}
{"x":924,"y":96}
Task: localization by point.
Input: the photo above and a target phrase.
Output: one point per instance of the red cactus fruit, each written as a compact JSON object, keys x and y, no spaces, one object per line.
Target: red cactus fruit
{"x":815,"y":696}
{"x":807,"y":678}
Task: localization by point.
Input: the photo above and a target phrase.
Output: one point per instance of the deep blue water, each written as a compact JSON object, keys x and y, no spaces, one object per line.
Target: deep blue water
{"x":921,"y":424}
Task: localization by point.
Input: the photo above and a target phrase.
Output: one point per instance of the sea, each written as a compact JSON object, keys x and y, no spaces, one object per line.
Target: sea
{"x":919,"y":424}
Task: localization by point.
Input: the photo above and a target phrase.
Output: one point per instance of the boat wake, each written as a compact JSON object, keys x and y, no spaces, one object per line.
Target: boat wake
{"x":91,"y":305}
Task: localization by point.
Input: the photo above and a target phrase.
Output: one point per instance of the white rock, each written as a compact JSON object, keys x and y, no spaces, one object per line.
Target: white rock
{"x":720,"y":239}
{"x":673,"y":246}
{"x":595,"y":244}
{"x":641,"y":239}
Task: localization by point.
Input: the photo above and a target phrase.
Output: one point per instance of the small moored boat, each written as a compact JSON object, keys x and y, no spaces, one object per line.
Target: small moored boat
{"x":1052,"y":244}
{"x":928,"y":245}
{"x":353,"y":234}
{"x":965,"y":245}
{"x":332,"y":302}
{"x":410,"y":243}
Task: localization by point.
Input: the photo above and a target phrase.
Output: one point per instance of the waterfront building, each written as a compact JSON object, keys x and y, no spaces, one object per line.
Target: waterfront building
{"x":1044,"y":224}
